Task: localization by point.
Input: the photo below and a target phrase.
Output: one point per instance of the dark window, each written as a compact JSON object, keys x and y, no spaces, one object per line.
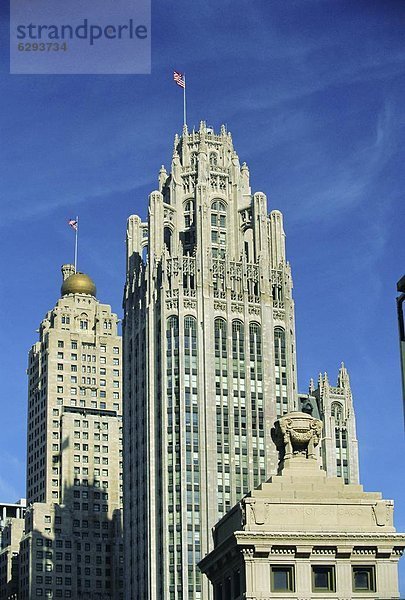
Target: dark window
{"x":323,"y":578}
{"x":282,"y":578}
{"x":364,"y":579}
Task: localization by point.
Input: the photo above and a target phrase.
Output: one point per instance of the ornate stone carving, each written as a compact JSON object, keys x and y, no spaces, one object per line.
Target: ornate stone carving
{"x":189,"y":303}
{"x":382,"y":511}
{"x":237,"y":307}
{"x":260,"y":512}
{"x":296,"y":434}
{"x":219,"y":305}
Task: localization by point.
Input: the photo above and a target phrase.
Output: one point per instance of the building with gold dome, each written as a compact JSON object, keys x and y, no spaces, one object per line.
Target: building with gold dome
{"x":72,"y":542}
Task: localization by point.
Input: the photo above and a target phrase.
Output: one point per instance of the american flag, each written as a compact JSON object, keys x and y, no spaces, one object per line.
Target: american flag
{"x":73,"y":224}
{"x":179,"y":79}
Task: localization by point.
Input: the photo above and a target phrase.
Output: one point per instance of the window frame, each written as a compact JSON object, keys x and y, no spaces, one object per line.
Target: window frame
{"x":289,"y":569}
{"x":372,"y":587}
{"x":331,"y":574}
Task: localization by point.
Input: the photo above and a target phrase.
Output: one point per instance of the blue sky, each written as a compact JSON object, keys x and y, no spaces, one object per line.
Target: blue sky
{"x":313,"y":92}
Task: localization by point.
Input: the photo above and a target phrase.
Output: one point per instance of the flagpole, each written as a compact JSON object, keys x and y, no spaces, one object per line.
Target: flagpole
{"x":184,"y":100}
{"x":76,"y":241}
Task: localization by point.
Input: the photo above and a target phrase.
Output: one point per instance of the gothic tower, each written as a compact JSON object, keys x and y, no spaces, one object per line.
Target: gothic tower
{"x":339,"y":448}
{"x":209,"y":360}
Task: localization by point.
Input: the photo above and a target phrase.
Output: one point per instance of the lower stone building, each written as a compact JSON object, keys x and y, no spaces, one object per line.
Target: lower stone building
{"x":12,"y":531}
{"x":304,"y":535}
{"x":63,"y":556}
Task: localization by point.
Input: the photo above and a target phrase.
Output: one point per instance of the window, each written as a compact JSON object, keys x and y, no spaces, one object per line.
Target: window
{"x":218,"y":229}
{"x":188,"y":213}
{"x":282,"y":578}
{"x":323,"y":578}
{"x":364,"y":579}
{"x":116,"y":350}
{"x":281,"y":371}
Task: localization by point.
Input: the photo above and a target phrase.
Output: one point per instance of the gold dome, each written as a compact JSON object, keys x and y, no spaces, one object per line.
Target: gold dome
{"x":79,"y":283}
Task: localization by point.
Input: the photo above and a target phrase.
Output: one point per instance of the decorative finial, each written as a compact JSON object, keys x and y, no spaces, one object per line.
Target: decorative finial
{"x":296,"y":436}
{"x":162,"y":177}
{"x":343,"y":380}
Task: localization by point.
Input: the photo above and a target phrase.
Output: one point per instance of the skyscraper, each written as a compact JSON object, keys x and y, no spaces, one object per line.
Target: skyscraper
{"x":209,"y":346}
{"x":72,"y":546}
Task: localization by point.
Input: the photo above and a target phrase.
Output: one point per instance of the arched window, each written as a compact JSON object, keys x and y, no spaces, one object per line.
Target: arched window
{"x":218,"y":229}
{"x":84,"y":322}
{"x":337,"y":412}
{"x":213,"y":159}
{"x":168,"y":238}
{"x":280,"y":365}
{"x":190,"y":333}
{"x":255,"y":343}
{"x":220,"y":340}
{"x":188,"y":213}
{"x":249,"y":245}
{"x":238,"y":341}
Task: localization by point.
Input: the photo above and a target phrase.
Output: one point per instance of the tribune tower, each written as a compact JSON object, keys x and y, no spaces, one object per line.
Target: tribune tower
{"x":209,"y":351}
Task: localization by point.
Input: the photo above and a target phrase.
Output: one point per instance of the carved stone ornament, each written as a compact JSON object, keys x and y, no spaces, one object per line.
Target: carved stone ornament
{"x":382,"y":511}
{"x":296,"y":434}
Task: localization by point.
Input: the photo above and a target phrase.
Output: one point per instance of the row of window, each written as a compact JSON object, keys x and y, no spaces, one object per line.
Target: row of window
{"x":323,"y":578}
{"x":102,"y":347}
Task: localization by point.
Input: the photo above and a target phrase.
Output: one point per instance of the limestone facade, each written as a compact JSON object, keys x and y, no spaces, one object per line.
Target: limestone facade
{"x":209,"y":346}
{"x":209,"y":360}
{"x":12,"y":528}
{"x":305,"y":535}
{"x":72,"y":544}
{"x":333,"y":404}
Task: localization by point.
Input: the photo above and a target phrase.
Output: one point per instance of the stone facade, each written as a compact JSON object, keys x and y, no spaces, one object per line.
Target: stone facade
{"x":209,"y":361}
{"x":334,"y":406}
{"x":11,"y":531}
{"x":305,"y":535}
{"x":209,"y":346}
{"x":72,"y":545}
